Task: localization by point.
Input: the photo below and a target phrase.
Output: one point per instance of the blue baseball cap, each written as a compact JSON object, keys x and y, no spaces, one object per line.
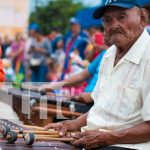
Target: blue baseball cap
{"x":127,"y":4}
{"x":74,"y":20}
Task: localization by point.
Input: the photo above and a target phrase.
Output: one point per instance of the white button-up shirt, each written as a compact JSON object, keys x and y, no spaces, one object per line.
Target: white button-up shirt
{"x":122,"y":93}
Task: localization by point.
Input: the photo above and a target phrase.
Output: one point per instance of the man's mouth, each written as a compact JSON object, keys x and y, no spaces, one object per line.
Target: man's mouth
{"x":116,"y":33}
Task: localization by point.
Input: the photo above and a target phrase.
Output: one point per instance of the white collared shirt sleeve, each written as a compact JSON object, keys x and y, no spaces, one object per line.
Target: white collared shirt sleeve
{"x":95,"y":91}
{"x":146,"y":93}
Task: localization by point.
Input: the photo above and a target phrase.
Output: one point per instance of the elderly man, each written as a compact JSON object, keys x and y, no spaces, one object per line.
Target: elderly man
{"x":120,"y":117}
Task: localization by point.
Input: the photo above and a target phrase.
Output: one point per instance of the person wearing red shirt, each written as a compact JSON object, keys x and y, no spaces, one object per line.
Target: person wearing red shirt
{"x":2,"y":74}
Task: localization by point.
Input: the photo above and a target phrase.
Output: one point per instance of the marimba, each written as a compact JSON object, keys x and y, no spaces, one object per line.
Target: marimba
{"x":20,"y":143}
{"x":67,"y":108}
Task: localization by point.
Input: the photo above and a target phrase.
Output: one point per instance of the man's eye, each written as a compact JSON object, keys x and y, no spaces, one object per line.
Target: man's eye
{"x":121,"y":18}
{"x":107,"y":20}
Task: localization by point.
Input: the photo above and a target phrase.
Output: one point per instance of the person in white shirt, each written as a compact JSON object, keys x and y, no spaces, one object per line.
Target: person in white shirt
{"x":120,"y":116}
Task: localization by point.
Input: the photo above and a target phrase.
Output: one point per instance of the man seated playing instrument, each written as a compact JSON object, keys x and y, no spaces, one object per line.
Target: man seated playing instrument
{"x":120,"y":117}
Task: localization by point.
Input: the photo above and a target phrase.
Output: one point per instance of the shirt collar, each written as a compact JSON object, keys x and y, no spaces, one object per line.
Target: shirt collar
{"x":136,"y":51}
{"x":111,"y":51}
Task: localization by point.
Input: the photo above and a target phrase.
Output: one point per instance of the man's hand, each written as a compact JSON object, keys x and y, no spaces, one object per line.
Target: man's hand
{"x":90,"y":139}
{"x":63,"y":127}
{"x":69,"y":125}
{"x":84,"y":98}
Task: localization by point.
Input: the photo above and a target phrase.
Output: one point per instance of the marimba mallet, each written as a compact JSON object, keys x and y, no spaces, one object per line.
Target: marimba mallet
{"x":37,"y":132}
{"x":12,"y":136}
{"x":49,"y":132}
{"x":30,"y":138}
{"x":4,"y":130}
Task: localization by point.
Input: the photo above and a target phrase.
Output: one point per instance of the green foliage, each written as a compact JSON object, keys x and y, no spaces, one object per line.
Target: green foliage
{"x":56,"y":14}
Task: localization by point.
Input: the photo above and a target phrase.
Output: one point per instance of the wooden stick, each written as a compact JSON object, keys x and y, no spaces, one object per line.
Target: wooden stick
{"x":39,"y":138}
{"x":33,"y":127}
{"x":49,"y":136}
{"x":52,"y":111}
{"x":30,"y":138}
{"x":56,"y":133}
{"x":40,"y":135}
{"x":20,"y":135}
{"x":37,"y":128}
{"x":37,"y":132}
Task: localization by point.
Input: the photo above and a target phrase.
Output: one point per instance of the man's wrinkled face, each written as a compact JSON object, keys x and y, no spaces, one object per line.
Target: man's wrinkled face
{"x":122,"y":26}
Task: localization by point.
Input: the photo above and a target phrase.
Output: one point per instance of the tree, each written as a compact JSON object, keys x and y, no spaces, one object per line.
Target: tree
{"x":56,"y":14}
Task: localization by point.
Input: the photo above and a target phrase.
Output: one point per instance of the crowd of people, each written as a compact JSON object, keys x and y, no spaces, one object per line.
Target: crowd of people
{"x":55,"y":57}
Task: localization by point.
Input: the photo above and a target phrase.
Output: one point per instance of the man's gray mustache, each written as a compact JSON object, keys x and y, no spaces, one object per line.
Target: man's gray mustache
{"x":113,"y":33}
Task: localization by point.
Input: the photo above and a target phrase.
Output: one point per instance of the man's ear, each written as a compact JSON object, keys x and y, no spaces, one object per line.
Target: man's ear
{"x":144,"y":16}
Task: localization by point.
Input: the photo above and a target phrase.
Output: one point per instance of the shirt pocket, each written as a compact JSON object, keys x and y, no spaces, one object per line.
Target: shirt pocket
{"x":129,"y":102}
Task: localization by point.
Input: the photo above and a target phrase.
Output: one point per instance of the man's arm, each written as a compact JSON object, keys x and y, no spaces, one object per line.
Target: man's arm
{"x":137,"y":134}
{"x":95,"y":138}
{"x":72,"y":81}
{"x":76,"y":79}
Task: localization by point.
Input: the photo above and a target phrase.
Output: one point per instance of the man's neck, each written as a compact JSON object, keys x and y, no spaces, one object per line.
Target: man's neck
{"x":127,"y":47}
{"x":121,"y":51}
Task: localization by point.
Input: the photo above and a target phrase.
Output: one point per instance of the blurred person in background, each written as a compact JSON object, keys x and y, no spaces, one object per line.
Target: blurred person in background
{"x":31,"y":29}
{"x":96,"y":44}
{"x":75,"y":41}
{"x":5,"y":43}
{"x":56,"y":37}
{"x":148,"y":28}
{"x":40,"y":50}
{"x":6,"y":112}
{"x":2,"y":74}
{"x":58,"y":56}
{"x":10,"y":75}
{"x":16,"y":54}
{"x":54,"y":70}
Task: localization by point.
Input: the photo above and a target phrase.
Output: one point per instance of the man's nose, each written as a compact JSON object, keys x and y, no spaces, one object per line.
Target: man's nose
{"x":115,"y":24}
